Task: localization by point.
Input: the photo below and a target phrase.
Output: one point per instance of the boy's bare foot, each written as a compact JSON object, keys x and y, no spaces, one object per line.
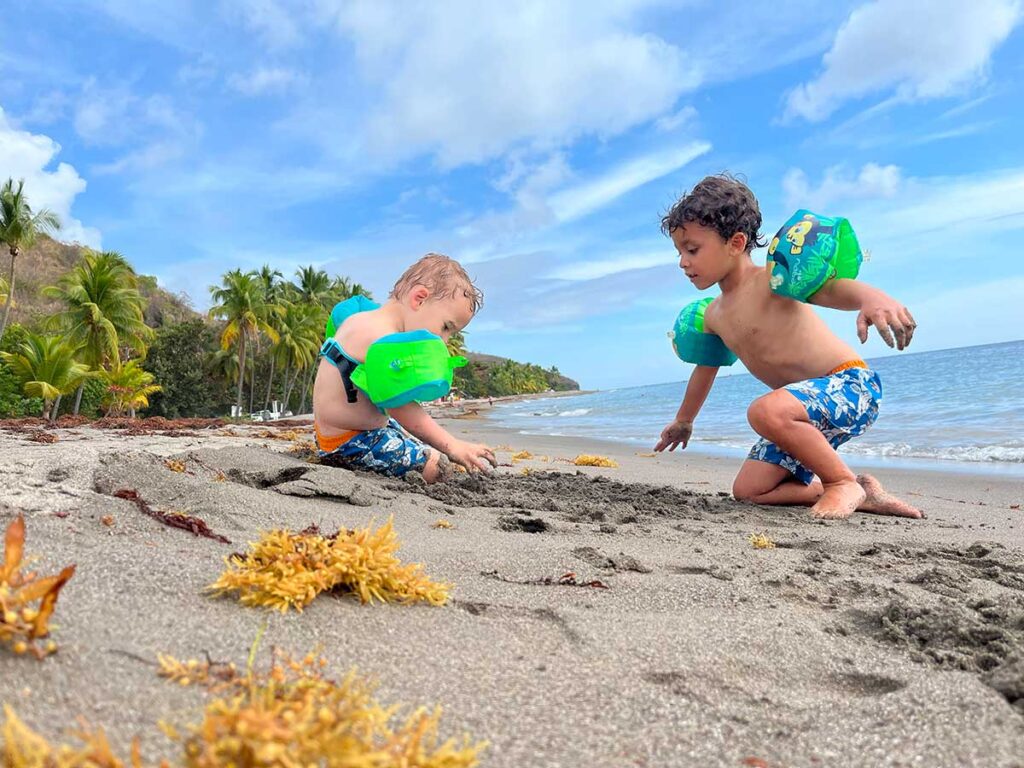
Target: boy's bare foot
{"x":881,"y":502}
{"x":839,"y":501}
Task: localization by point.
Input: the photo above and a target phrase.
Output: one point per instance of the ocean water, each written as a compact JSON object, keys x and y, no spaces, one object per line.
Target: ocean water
{"x":959,"y":406}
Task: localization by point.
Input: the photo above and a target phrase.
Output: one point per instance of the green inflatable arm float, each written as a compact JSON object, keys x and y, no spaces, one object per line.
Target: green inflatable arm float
{"x":404,"y":367}
{"x":693,"y":344}
{"x":809,"y":251}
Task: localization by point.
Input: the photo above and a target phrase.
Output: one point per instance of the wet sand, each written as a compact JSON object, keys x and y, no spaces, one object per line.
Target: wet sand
{"x":869,"y":642}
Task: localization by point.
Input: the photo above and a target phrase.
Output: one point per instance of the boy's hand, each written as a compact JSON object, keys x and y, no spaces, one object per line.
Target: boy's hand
{"x":675,"y":434}
{"x":473,"y":456}
{"x":889,"y":317}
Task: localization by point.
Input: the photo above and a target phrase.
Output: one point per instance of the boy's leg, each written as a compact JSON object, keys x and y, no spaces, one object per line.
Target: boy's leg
{"x":762,"y":483}
{"x":387,"y":451}
{"x":781,"y":418}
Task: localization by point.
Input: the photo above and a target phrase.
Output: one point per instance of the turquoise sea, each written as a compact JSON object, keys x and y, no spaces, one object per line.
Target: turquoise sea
{"x":962,"y":407}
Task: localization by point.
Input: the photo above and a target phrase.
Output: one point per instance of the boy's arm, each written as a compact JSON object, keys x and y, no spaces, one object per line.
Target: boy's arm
{"x":697,"y":389}
{"x":472,"y":456}
{"x":877,"y":308}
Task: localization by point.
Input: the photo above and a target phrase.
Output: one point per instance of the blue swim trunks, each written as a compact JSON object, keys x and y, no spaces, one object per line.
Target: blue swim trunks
{"x":841,"y":405}
{"x":389,"y":450}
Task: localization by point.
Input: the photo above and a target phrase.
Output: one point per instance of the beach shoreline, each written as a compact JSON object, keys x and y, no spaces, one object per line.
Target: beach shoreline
{"x":870,"y":642}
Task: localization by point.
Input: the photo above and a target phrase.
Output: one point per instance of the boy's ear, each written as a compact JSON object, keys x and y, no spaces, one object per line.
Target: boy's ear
{"x":738,"y":241}
{"x":418,"y":295}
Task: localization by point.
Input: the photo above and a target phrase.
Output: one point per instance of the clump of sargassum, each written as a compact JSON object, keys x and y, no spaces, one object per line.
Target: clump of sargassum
{"x":26,"y":601}
{"x":291,"y":716}
{"x":288,"y":570}
{"x":588,"y":460}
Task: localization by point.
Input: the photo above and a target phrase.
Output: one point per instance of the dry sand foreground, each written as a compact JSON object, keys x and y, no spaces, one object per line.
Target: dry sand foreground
{"x":874,"y":642}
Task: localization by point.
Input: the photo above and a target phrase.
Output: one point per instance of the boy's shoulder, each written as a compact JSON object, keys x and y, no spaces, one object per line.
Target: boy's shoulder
{"x":361,"y":330}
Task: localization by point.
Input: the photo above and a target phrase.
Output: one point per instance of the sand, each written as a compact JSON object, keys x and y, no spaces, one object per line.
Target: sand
{"x":869,"y":642}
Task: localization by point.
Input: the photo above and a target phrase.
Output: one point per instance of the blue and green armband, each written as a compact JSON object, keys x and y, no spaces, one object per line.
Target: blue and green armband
{"x":809,"y":251}
{"x":693,"y":344}
{"x":403,"y":367}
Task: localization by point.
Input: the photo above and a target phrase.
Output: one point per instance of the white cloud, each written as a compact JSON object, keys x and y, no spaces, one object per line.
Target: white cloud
{"x":275,"y":24}
{"x":200,"y":71}
{"x":545,"y":199}
{"x":25,"y":155}
{"x":148,"y":157}
{"x":593,"y":269}
{"x":115,"y":115}
{"x":952,"y":207}
{"x":265,"y":80}
{"x":467,"y":84}
{"x":873,"y":181}
{"x":923,"y":49}
{"x":676,"y":120}
{"x":588,"y":197}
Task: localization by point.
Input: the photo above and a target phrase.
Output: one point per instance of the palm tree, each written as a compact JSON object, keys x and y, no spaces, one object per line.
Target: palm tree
{"x":314,"y":286}
{"x":356,"y":289}
{"x":223,"y":364}
{"x":104,"y":311}
{"x":47,"y":369}
{"x":457,"y":344}
{"x":3,"y":290}
{"x":298,"y":344}
{"x":241,"y":303}
{"x":19,"y":228}
{"x":273,"y":292}
{"x":128,"y":388}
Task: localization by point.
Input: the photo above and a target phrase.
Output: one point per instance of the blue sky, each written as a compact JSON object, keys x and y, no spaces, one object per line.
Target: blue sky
{"x":537,"y":142}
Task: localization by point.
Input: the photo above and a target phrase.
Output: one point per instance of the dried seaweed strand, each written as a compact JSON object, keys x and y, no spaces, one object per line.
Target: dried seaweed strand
{"x":195,"y":525}
{"x":565,"y":580}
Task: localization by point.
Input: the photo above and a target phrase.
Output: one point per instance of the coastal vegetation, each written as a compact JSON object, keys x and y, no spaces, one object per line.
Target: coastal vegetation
{"x":83,"y":333}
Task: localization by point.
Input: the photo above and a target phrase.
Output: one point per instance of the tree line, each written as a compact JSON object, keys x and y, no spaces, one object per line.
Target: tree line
{"x":259,"y":342}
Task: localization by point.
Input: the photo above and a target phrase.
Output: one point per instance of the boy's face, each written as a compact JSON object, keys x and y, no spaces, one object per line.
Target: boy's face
{"x":703,"y":255}
{"x":444,"y":317}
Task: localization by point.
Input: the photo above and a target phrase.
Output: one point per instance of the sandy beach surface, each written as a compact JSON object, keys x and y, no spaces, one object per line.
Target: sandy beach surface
{"x":869,"y":642}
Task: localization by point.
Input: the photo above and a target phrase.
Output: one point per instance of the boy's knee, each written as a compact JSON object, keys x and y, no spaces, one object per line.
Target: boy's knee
{"x":771,"y":412}
{"x":742,"y":490}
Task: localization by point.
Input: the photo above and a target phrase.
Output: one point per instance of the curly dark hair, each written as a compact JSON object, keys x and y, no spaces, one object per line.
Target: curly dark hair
{"x":722,"y":203}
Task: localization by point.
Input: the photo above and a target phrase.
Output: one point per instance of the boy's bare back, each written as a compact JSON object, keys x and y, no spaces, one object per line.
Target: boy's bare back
{"x":334,"y":413}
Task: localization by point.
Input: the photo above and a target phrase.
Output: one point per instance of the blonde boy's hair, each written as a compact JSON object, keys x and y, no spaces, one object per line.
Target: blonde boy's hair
{"x":443,"y":276}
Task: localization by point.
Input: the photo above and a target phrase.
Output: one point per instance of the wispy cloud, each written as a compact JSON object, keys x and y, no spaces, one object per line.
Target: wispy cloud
{"x":583,"y":199}
{"x":952,"y":43}
{"x":588,"y":269}
{"x":266,"y":80}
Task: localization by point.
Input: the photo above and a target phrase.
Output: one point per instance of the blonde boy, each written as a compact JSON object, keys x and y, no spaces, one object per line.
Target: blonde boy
{"x":434,"y":294}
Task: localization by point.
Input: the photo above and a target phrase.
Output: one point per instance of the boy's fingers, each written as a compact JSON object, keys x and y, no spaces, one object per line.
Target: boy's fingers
{"x":882,"y":324}
{"x":899,"y":331}
{"x":908,"y":321}
{"x":862,"y":327}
